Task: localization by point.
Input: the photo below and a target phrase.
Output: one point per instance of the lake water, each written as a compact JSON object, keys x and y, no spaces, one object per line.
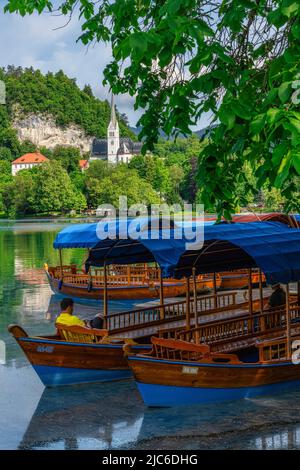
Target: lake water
{"x":111,"y":415}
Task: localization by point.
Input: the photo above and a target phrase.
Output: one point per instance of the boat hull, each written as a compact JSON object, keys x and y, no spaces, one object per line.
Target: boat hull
{"x":167,"y":396}
{"x":117,"y":293}
{"x":59,"y":362}
{"x":168,"y":383}
{"x":238,"y":280}
{"x":55,"y":376}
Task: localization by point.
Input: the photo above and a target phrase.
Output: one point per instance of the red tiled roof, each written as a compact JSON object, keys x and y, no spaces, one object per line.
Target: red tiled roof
{"x":31,"y":158}
{"x":83,"y":163}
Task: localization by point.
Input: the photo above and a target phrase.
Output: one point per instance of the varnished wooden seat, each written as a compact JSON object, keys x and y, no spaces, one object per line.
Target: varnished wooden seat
{"x":183,"y":350}
{"x":80,"y":334}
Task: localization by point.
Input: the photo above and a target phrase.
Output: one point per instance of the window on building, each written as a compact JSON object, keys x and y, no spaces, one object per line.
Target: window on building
{"x":111,"y":134}
{"x":111,"y":142}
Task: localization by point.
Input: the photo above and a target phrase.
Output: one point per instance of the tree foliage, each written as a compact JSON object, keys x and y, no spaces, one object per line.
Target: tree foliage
{"x":236,"y":59}
{"x":107,"y":184}
{"x":44,"y":189}
{"x":29,"y":91}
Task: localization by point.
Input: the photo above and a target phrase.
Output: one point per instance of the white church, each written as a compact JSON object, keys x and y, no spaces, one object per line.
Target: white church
{"x":114,"y":149}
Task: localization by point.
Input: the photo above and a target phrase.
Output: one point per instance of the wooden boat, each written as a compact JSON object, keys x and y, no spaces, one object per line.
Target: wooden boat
{"x":74,"y":355}
{"x":79,"y":355}
{"x":239,"y":279}
{"x":123,"y":282}
{"x":177,"y":372}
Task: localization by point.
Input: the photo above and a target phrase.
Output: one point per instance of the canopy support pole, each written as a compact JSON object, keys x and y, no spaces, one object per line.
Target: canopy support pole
{"x":261,"y":293}
{"x":61,"y":263}
{"x":195,"y":296}
{"x":215,"y":290}
{"x":128,"y":275}
{"x":288,"y":322}
{"x":188,"y":316}
{"x":161,"y":295}
{"x":250,"y":291}
{"x":105,"y":304}
{"x":298,"y":293}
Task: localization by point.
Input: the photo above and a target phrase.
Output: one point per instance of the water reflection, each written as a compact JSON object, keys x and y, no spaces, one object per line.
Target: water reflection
{"x":112,"y":416}
{"x":284,"y":439}
{"x":102,"y":416}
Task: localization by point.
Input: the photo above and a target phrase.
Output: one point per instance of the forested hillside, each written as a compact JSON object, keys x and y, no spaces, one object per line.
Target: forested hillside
{"x":170,"y":174}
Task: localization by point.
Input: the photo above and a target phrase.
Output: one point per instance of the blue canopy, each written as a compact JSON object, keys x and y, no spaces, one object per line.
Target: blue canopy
{"x":77,"y":236}
{"x":271,"y":246}
{"x":88,"y":235}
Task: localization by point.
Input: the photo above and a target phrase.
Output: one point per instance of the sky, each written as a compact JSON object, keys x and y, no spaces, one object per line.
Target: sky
{"x":34,"y":41}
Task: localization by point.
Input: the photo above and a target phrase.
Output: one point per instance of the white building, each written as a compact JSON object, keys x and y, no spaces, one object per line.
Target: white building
{"x":114,"y":149}
{"x":27,"y":161}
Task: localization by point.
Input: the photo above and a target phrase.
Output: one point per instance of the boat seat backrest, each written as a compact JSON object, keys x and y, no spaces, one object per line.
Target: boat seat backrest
{"x":178,"y":349}
{"x":80,"y":334}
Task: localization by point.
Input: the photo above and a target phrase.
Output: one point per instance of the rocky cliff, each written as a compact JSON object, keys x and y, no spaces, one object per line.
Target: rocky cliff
{"x":44,"y":132}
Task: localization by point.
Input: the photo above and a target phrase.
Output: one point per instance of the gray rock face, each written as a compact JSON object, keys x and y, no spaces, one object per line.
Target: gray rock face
{"x":44,"y":132}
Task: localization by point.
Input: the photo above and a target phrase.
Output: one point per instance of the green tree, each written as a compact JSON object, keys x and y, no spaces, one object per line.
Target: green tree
{"x":153,"y":170}
{"x":27,"y":147}
{"x":273,"y":199}
{"x":5,"y":179}
{"x":68,"y":157}
{"x":235,"y":59}
{"x":5,"y":154}
{"x":97,"y":169}
{"x":121,"y":182}
{"x":9,"y":140}
{"x":46,"y":189}
{"x":18,"y":196}
{"x":54,"y":190}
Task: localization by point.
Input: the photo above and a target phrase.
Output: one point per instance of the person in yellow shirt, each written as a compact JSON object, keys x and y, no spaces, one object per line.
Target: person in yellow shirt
{"x":66,"y":316}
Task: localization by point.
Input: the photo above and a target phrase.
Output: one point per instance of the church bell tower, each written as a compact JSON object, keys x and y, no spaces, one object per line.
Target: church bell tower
{"x":113,"y":135}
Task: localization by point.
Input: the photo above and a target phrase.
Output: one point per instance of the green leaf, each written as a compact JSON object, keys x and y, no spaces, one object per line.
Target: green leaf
{"x":241,"y":110}
{"x":138,"y":42}
{"x":279,"y":153}
{"x":165,"y":56}
{"x":276,"y":18}
{"x":204,"y":28}
{"x":271,"y":96}
{"x":296,"y":30}
{"x":296,"y":162}
{"x":227,"y":116}
{"x":283,"y":171}
{"x":284,"y":91}
{"x":273,"y":114}
{"x":291,"y":9}
{"x":295,"y":124}
{"x":258,"y":124}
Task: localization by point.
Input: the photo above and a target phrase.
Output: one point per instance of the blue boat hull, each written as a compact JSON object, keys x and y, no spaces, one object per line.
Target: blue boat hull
{"x":55,"y":376}
{"x":166,"y":395}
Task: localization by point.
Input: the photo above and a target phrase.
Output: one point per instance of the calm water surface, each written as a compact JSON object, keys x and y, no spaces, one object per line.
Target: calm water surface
{"x":111,"y":415}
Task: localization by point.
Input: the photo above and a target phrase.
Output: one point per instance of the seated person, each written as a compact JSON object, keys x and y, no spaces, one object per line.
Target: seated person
{"x":278,"y":296}
{"x":67,"y":318}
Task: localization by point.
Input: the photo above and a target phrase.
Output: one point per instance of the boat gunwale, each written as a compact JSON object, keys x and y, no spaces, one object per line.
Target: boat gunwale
{"x":259,"y":364}
{"x":37,"y":339}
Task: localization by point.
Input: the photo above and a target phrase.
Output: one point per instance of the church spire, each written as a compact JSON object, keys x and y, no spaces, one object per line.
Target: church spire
{"x":113,"y":136}
{"x":113,"y":117}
